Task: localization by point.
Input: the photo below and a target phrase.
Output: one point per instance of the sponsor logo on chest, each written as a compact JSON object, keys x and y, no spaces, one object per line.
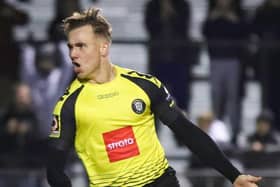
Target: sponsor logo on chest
{"x":120,"y":144}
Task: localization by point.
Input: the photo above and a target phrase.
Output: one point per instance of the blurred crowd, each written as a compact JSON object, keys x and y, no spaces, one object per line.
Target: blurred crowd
{"x":35,"y":73}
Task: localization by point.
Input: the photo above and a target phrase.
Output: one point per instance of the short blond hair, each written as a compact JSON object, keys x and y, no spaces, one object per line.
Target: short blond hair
{"x":92,"y":17}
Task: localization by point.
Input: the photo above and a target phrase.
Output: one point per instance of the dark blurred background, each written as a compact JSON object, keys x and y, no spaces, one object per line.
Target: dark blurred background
{"x":219,"y":59}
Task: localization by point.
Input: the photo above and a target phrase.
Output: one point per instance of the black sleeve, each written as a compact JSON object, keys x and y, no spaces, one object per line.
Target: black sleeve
{"x":64,"y":123}
{"x":55,"y":168}
{"x":195,"y":139}
{"x":57,"y":153}
{"x":164,"y":107}
{"x":61,"y":142}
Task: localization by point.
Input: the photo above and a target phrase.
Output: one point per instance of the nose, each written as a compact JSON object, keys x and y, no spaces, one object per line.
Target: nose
{"x":73,"y":53}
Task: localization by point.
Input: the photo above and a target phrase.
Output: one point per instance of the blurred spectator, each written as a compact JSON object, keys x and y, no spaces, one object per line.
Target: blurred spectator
{"x":10,"y":17}
{"x":62,"y":9}
{"x":225,"y":32}
{"x":17,"y":137}
{"x":18,"y":123}
{"x":215,"y":128}
{"x":171,"y":53}
{"x":167,"y":23}
{"x":219,"y":132}
{"x":267,"y":29}
{"x":47,"y":72}
{"x":262,"y":150}
{"x":263,"y":136}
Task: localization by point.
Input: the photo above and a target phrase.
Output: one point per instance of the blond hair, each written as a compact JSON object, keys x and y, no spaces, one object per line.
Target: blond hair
{"x":92,"y":17}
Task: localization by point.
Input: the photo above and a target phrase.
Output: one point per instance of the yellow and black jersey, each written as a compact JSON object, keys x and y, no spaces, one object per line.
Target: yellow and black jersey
{"x":112,"y":127}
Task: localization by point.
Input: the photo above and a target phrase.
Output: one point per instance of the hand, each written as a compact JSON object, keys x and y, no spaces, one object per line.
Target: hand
{"x":257,"y":146}
{"x":246,"y":181}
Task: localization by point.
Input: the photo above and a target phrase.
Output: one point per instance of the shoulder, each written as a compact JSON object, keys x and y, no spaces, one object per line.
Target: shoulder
{"x":73,"y":87}
{"x":70,"y":93}
{"x":137,"y":77}
{"x":153,"y":87}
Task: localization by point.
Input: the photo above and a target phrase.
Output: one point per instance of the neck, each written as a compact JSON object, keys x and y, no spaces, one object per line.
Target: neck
{"x":105,"y":73}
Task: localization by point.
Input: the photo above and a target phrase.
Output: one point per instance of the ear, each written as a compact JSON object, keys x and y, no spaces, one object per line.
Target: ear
{"x":104,"y":49}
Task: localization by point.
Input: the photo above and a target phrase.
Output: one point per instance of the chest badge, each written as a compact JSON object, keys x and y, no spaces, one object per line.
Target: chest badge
{"x":138,"y":106}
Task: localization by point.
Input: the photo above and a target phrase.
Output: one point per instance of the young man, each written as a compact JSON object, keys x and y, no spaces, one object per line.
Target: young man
{"x":108,"y":115}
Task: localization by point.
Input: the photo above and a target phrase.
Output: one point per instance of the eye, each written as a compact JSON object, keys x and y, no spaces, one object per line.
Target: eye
{"x":80,"y":45}
{"x":69,"y":46}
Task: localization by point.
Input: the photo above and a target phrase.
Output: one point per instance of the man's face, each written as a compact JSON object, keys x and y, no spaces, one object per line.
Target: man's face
{"x":84,"y":48}
{"x":23,"y":95}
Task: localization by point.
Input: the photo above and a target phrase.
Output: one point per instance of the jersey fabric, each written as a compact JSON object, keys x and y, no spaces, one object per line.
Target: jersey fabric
{"x":112,"y":127}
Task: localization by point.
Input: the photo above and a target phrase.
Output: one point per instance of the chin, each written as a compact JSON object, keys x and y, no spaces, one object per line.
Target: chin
{"x":82,"y":78}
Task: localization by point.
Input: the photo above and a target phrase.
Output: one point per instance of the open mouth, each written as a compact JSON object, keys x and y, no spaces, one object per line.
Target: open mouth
{"x":76,"y":64}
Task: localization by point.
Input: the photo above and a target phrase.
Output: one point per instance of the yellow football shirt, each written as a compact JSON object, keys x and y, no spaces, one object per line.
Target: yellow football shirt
{"x":112,"y":128}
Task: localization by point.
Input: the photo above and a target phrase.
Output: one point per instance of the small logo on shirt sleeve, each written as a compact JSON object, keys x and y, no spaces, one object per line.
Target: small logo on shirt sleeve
{"x":169,"y":98}
{"x":55,"y":127}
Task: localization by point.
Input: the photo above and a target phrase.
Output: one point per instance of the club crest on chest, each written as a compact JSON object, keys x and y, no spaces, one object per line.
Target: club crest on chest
{"x":138,"y":106}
